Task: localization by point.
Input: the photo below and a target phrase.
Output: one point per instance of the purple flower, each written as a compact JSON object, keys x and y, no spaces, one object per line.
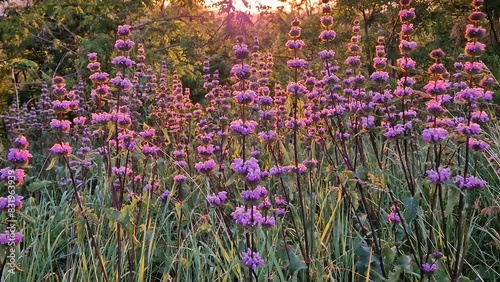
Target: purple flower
{"x":11,"y":202}
{"x":470,"y":182}
{"x":471,"y":129}
{"x":241,"y":72}
{"x":217,"y":199}
{"x":252,"y":259}
{"x":99,"y":77}
{"x":94,"y":66}
{"x":268,"y":222}
{"x":434,"y":134}
{"x":407,"y":46}
{"x":124,"y":45}
{"x":326,"y":55}
{"x":480,"y":117}
{"x":295,"y":44}
{"x":478,"y":144}
{"x":379,"y":76}
{"x":61,"y":106}
{"x":241,"y":51}
{"x":124,"y":30}
{"x":123,"y":83}
{"x":205,"y":167}
{"x":150,"y":150}
{"x":206,"y":151}
{"x":100,"y":118}
{"x":353,"y":61}
{"x":245,"y":97}
{"x":473,"y":67}
{"x":297,"y":63}
{"x":475,"y":48}
{"x":92,"y":57}
{"x":122,"y":171}
{"x":434,"y":107}
{"x":429,"y":268}
{"x":62,"y":126}
{"x":296,"y":89}
{"x":247,"y":217}
{"x":394,"y":131}
{"x":327,"y":35}
{"x":379,"y":63}
{"x":406,"y":63}
{"x":148,"y":133}
{"x":368,"y":122}
{"x":164,"y":196}
{"x":16,"y":175}
{"x":19,"y":156}
{"x":393,"y":218}
{"x":437,"y":87}
{"x":79,"y":120}
{"x":407,"y":29}
{"x":179,"y":178}
{"x":406,"y":15}
{"x":469,"y":94}
{"x":122,"y":61}
{"x":439,"y":176}
{"x":20,"y":143}
{"x":9,"y":238}
{"x":243,"y":128}
{"x":437,"y":255}
{"x":253,"y":196}
{"x":265,"y":205}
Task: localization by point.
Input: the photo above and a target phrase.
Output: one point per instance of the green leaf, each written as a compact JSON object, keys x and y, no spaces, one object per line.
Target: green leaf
{"x":35,"y":186}
{"x":463,"y":279}
{"x":296,"y":263}
{"x":231,"y":179}
{"x":395,"y":274}
{"x":411,"y":208}
{"x":53,"y":162}
{"x":361,"y":173}
{"x":389,"y":254}
{"x":452,"y":198}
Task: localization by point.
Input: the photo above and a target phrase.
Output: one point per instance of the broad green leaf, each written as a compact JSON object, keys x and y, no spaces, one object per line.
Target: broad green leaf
{"x":452,"y":198}
{"x":38,"y":185}
{"x":411,"y":209}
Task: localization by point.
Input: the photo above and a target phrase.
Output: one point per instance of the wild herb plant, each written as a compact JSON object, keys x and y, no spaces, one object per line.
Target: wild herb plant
{"x":338,"y":175}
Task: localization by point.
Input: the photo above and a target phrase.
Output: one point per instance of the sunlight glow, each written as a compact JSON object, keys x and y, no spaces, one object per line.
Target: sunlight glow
{"x":251,"y":5}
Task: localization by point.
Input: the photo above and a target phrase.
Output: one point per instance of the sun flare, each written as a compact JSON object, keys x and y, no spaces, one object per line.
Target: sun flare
{"x":251,"y":6}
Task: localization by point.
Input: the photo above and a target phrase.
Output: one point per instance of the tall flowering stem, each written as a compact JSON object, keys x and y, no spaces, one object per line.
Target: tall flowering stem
{"x":469,"y":98}
{"x":13,"y":177}
{"x":62,"y":149}
{"x":296,"y":90}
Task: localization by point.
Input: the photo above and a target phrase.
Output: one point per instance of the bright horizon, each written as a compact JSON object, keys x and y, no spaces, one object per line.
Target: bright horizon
{"x":252,"y":4}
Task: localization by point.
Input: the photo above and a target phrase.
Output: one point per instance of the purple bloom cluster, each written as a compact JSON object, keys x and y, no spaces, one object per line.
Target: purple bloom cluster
{"x":440,"y":176}
{"x":254,"y":196}
{"x":8,"y":238}
{"x":244,"y":128}
{"x":252,"y":259}
{"x":434,"y":134}
{"x":11,"y":202}
{"x":248,"y":217}
{"x":217,"y":199}
{"x":250,"y":169}
{"x":205,"y":167}
{"x":469,"y":182}
{"x":393,"y":216}
{"x":429,"y":268}
{"x":19,"y":157}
